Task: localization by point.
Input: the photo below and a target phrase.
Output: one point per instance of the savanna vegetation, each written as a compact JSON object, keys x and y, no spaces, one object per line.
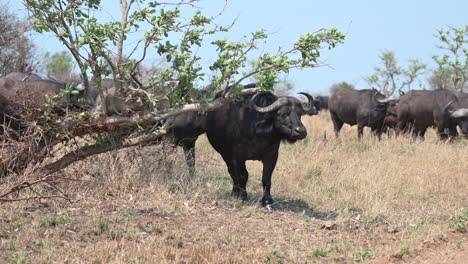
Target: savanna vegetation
{"x":338,"y":201}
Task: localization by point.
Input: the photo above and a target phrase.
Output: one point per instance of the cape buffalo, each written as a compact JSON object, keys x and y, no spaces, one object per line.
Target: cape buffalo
{"x":440,"y":108}
{"x":361,"y":107}
{"x":35,"y":93}
{"x":390,"y":120}
{"x":184,"y":130}
{"x":321,"y":103}
{"x":252,"y":130}
{"x":463,"y":97}
{"x":24,"y":76}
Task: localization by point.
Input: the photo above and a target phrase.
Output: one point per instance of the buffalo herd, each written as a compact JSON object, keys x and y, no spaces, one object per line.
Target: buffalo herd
{"x":253,"y":128}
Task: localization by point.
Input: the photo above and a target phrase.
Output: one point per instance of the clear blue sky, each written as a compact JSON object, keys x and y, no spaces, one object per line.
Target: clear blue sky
{"x":405,"y":27}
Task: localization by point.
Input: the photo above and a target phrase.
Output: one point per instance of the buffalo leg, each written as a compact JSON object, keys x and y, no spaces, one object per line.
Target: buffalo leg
{"x":233,"y":172}
{"x":377,"y":132}
{"x":189,"y":152}
{"x":422,"y":133}
{"x":243,"y":177}
{"x":337,"y":123}
{"x":268,"y":167}
{"x":419,"y":133}
{"x":441,"y":133}
{"x":453,"y":132}
{"x":360,"y":131}
{"x":402,"y":126}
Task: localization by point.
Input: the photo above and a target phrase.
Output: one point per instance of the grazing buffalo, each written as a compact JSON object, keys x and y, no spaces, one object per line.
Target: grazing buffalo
{"x":321,"y":103}
{"x":35,"y":94}
{"x":361,"y":107}
{"x":440,"y":108}
{"x":24,"y":76}
{"x":252,"y":130}
{"x":18,"y":98}
{"x":389,"y":123}
{"x":183,"y":130}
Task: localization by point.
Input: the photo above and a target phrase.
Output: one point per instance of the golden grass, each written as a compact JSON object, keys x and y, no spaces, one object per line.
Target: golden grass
{"x":338,"y":201}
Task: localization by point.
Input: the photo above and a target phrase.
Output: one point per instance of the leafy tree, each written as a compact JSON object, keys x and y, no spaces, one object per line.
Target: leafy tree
{"x":392,"y":77}
{"x":282,"y":87}
{"x":341,"y":85}
{"x":452,"y":72}
{"x":17,"y":51}
{"x":59,"y":63}
{"x":98,"y":47}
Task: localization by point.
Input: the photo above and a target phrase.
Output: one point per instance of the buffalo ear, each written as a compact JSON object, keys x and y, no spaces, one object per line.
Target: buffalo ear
{"x":263,"y":127}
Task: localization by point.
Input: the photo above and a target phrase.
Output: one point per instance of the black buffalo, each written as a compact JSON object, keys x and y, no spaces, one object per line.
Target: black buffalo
{"x":183,"y":130}
{"x":389,"y":123}
{"x":321,"y":102}
{"x":252,"y":130}
{"x":440,"y":108}
{"x":361,"y":107}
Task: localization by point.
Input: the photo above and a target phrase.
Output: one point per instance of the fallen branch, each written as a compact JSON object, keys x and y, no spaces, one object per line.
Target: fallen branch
{"x":96,"y":122}
{"x":95,"y":149}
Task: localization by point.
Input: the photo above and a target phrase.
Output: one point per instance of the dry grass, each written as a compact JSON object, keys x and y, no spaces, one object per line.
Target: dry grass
{"x":338,"y":201}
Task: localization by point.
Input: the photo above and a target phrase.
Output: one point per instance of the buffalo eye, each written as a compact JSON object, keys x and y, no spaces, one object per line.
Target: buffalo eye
{"x":284,"y":113}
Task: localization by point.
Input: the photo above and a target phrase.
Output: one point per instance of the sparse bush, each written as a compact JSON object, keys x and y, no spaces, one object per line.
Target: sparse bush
{"x":362,"y":254}
{"x":54,"y":221}
{"x":460,"y":221}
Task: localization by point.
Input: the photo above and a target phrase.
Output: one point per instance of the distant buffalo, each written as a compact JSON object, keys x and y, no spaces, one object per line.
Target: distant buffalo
{"x":20,"y":98}
{"x":321,"y":103}
{"x":359,"y":107}
{"x":24,"y":76}
{"x":390,"y":121}
{"x":22,"y":94}
{"x":252,"y":130}
{"x":440,"y":108}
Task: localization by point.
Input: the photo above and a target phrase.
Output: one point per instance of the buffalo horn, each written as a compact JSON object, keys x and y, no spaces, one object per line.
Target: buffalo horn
{"x":459,"y":113}
{"x":275,"y":105}
{"x":309,"y":105}
{"x":383,"y":101}
{"x":462,"y":112}
{"x":80,"y":87}
{"x":446,"y":106}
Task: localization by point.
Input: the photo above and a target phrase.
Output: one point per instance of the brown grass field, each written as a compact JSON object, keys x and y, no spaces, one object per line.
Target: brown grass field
{"x":337,"y":201}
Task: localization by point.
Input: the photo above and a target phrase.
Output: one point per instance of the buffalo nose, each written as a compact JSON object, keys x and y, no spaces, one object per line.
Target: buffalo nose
{"x":300,"y":131}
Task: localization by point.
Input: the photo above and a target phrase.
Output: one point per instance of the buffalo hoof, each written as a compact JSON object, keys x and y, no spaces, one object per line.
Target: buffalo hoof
{"x":267,"y":202}
{"x":239,"y":193}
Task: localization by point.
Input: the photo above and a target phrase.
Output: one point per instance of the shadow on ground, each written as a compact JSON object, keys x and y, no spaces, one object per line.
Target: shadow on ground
{"x":302,"y":207}
{"x":284,"y":204}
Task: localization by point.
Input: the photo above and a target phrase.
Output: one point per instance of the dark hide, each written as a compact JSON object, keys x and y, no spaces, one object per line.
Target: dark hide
{"x":389,"y":123}
{"x":321,"y":103}
{"x":357,"y":107}
{"x":20,"y":94}
{"x":183,"y":131}
{"x":23,"y":76}
{"x":419,"y":110}
{"x":463,"y":97}
{"x":240,"y":133}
